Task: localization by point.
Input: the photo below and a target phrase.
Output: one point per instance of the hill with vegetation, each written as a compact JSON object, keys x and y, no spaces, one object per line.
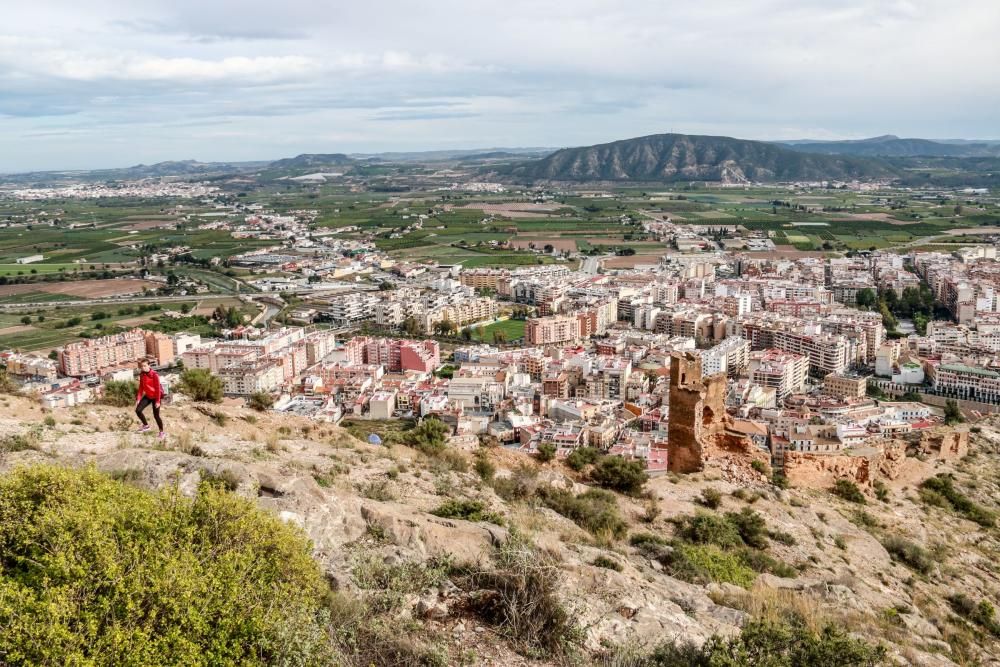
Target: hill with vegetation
{"x":892,"y":146}
{"x":679,"y":157}
{"x":253,"y":537}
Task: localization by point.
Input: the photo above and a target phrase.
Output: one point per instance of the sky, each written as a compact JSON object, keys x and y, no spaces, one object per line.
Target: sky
{"x":109,"y":83}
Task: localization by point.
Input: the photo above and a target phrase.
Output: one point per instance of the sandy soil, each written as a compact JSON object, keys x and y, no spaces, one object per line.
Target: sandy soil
{"x":4,"y":331}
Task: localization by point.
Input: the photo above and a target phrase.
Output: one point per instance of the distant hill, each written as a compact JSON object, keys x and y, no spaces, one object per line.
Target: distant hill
{"x":312,"y":160}
{"x":679,"y":157}
{"x":892,"y":146}
{"x":169,"y":169}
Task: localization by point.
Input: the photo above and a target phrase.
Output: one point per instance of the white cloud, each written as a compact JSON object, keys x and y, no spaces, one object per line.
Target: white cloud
{"x":542,"y":72}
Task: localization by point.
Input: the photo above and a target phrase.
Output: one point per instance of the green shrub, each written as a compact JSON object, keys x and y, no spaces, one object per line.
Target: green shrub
{"x":595,"y":511}
{"x":705,"y":528}
{"x":760,"y":561}
{"x":484,"y":467}
{"x":982,"y":614}
{"x":759,"y":466}
{"x":745,"y":527}
{"x":779,"y":480}
{"x":881,"y":490}
{"x":120,"y":393}
{"x":711,"y":498}
{"x":787,"y":642}
{"x":751,"y":527}
{"x":705,"y":563}
{"x":519,"y":485}
{"x":646,"y":539}
{"x":200,"y":385}
{"x":941,"y":491}
{"x":848,"y":490}
{"x":910,"y":554}
{"x":607,"y":563}
{"x":546,"y":452}
{"x":260,"y":401}
{"x":387,"y":585}
{"x":782,"y":537}
{"x":100,"y":572}
{"x":429,"y":436}
{"x":619,"y":474}
{"x":468,"y":510}
{"x":581,"y":457}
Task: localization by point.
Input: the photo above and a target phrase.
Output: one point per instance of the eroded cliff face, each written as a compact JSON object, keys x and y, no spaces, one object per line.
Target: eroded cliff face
{"x":913,"y":456}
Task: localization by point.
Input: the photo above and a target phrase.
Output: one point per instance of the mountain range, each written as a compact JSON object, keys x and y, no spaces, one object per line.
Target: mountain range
{"x":892,"y":146}
{"x":679,"y":157}
{"x":653,"y":158}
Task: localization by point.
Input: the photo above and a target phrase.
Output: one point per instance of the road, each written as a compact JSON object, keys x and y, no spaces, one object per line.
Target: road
{"x":592,"y":264}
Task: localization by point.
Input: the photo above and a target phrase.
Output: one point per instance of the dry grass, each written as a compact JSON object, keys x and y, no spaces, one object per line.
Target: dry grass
{"x":775,"y":604}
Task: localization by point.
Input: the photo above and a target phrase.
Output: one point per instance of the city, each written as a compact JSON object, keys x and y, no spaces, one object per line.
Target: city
{"x":545,"y":334}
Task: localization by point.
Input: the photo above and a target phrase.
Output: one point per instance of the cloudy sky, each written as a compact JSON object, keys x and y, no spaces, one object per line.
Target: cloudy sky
{"x":104,"y":83}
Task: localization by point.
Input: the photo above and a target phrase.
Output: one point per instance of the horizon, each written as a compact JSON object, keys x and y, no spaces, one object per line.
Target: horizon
{"x":473,"y":149}
{"x":145,"y":82}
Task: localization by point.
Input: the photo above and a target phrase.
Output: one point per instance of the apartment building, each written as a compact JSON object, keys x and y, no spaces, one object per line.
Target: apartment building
{"x":96,"y":355}
{"x":552,"y":329}
{"x":483,"y":278}
{"x":394,"y":354}
{"x":785,"y":372}
{"x":29,"y":366}
{"x":160,"y":347}
{"x":846,"y":386}
{"x":247,"y":377}
{"x":731,"y":356}
{"x":826,"y":353}
{"x":965,"y":382}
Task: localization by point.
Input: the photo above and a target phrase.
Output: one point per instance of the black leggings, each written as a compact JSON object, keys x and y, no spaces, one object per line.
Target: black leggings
{"x":146,"y":400}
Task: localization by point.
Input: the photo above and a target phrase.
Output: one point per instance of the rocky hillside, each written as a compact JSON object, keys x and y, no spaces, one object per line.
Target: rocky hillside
{"x":679,"y":157}
{"x":484,"y":557}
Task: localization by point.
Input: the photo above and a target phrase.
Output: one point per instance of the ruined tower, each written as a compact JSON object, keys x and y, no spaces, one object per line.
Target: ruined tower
{"x":697,"y":408}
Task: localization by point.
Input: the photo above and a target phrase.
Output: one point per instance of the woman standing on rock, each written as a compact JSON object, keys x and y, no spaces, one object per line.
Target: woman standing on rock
{"x":150,"y":393}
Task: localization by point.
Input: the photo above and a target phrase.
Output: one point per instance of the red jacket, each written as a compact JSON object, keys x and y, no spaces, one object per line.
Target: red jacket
{"x":149,"y":385}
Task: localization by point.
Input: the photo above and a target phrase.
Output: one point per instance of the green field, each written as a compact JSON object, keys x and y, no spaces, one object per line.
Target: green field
{"x":512,"y":330}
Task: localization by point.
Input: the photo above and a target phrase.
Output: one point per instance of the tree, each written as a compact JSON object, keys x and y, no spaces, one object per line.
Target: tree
{"x":386,"y":286}
{"x":260,"y":401}
{"x":444,"y":327}
{"x":888,"y":320}
{"x":26,"y":320}
{"x":619,"y":474}
{"x":429,"y":436}
{"x":109,"y":571}
{"x":120,"y":393}
{"x":866,"y":298}
{"x":952,"y":413}
{"x":200,"y":385}
{"x":185,"y":308}
{"x":411,"y":326}
{"x":546,"y":452}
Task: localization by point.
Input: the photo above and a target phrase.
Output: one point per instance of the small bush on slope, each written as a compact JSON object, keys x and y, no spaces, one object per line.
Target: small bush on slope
{"x":788,"y":643}
{"x":93,"y":571}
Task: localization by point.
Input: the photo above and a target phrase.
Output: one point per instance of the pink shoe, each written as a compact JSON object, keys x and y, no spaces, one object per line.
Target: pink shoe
{"x":143,"y":429}
{"x":162,"y":436}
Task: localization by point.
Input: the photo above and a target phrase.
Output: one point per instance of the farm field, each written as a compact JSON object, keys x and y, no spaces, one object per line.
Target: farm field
{"x":81,"y":289}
